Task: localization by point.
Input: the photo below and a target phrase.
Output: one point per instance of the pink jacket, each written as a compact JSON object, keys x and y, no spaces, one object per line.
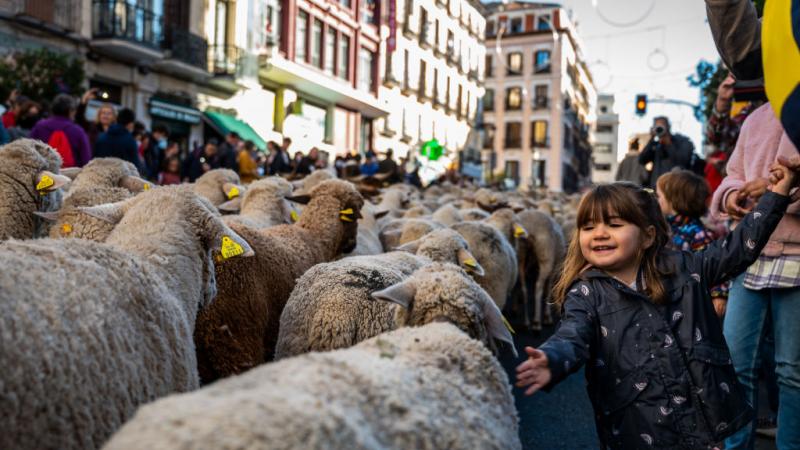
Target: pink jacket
{"x":760,"y":142}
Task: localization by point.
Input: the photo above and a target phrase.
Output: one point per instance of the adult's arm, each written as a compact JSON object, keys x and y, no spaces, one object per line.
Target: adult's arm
{"x":737,"y":33}
{"x":649,"y":153}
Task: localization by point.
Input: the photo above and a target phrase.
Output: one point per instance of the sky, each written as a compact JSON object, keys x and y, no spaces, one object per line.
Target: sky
{"x":653,"y":56}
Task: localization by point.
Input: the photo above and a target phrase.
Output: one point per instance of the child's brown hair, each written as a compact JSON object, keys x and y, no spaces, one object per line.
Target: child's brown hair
{"x":634,"y":205}
{"x":686,"y":191}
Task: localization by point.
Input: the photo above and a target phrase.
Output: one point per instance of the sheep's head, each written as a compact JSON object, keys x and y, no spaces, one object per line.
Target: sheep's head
{"x":270,"y":193}
{"x":507,"y":223}
{"x":445,"y":246}
{"x":29,"y":183}
{"x":489,"y":201}
{"x":337,"y":201}
{"x":444,"y":293}
{"x":219,"y":186}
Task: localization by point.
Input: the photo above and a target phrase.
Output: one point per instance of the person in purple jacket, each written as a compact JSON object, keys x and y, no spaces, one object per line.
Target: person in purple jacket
{"x":62,"y":119}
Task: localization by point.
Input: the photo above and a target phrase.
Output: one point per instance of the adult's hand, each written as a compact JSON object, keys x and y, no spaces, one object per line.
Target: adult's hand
{"x":753,"y":189}
{"x":734,"y":206}
{"x":725,"y":94}
{"x":89,"y":95}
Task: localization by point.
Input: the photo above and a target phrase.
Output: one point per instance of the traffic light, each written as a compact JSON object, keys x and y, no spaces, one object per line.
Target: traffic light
{"x":641,"y":104}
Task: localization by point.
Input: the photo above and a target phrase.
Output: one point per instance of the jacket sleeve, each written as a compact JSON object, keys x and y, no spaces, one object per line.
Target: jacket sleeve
{"x":737,"y":33}
{"x":568,"y":349}
{"x":649,"y":153}
{"x":728,"y":257}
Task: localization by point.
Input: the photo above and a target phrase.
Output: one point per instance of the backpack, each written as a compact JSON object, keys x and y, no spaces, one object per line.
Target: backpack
{"x":58,"y":140}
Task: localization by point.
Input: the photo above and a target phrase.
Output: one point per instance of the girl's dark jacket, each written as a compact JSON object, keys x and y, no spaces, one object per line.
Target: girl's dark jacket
{"x":660,"y":376}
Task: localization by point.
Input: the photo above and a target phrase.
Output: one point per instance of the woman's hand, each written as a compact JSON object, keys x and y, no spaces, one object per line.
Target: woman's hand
{"x":534,"y":372}
{"x":754,"y":189}
{"x":783,"y":176}
{"x":720,"y":306}
{"x":734,"y":205}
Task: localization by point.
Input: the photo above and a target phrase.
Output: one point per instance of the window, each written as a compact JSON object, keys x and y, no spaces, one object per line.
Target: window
{"x":512,"y":171}
{"x":540,"y":97}
{"x":423,"y":26}
{"x":516,"y":25}
{"x":344,"y":57}
{"x":490,"y":28}
{"x":539,"y":133}
{"x":542,"y":61}
{"x":514,"y":98}
{"x":436,"y":85}
{"x":451,"y":43}
{"x":513,"y":135}
{"x":489,"y":66}
{"x":405,"y":69}
{"x":368,"y":9}
{"x":316,"y":44}
{"x":515,"y":63}
{"x":544,"y":23}
{"x":460,"y":105}
{"x":605,"y":128}
{"x":300,"y":38}
{"x":221,"y":26}
{"x":488,"y":100}
{"x":345,"y":3}
{"x":366,"y":61}
{"x":330,"y":51}
{"x":602,"y":148}
{"x":488,"y":137}
{"x":604,"y":109}
{"x":422,"y":90}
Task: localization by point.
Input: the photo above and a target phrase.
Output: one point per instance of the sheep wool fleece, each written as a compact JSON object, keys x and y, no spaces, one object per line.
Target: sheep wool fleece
{"x":428,"y":387}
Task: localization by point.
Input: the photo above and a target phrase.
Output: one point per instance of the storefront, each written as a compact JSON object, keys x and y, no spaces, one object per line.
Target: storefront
{"x":182,"y":121}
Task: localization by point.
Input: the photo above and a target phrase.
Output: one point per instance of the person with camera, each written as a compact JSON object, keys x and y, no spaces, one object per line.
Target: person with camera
{"x":666,"y":150}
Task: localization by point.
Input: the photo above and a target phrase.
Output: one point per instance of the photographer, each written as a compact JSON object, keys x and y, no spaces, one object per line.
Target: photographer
{"x":666,"y":150}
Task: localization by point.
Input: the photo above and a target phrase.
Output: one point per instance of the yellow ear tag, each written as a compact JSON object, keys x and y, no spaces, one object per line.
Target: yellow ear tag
{"x":344,"y":218}
{"x":493,"y":199}
{"x":233,"y":193}
{"x":294,"y":216}
{"x":230,"y":248}
{"x":44,"y":183}
{"x":146,"y":186}
{"x":66,"y":229}
{"x":518,"y":231}
{"x":345,"y":213}
{"x":471,"y":263}
{"x":508,"y":325}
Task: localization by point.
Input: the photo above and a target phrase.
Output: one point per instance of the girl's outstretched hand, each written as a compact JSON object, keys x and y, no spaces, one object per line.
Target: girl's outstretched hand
{"x":534,"y":372}
{"x":784,"y":175}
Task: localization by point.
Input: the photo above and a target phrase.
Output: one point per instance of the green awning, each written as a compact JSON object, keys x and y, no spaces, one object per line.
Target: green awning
{"x":227,"y":123}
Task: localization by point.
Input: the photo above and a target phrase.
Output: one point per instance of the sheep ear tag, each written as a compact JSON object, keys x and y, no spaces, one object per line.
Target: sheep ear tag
{"x":45,"y":182}
{"x":229,"y":248}
{"x":66,"y":229}
{"x":519,"y":231}
{"x":294,"y":216}
{"x":233,"y":193}
{"x":508,"y":325}
{"x":346,"y":215}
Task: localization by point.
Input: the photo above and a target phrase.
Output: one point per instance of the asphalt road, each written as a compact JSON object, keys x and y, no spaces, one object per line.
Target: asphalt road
{"x":561,"y":418}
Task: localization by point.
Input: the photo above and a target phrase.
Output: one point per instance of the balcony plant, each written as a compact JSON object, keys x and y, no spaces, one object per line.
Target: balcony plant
{"x":40,"y":74}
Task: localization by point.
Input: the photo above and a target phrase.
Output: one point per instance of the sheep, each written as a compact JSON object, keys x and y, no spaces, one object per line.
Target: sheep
{"x":102,"y":180}
{"x":240,"y":329}
{"x":393,"y":200}
{"x":416,"y":212}
{"x":218,"y":186}
{"x":314,"y":178}
{"x":495,"y":254}
{"x":263,"y":205}
{"x":403,"y":231}
{"x":474,"y":214}
{"x":331,"y":307}
{"x":447,"y":215}
{"x":368,"y":241}
{"x":429,"y":387}
{"x":547,"y":241}
{"x":29,"y":183}
{"x":89,"y":331}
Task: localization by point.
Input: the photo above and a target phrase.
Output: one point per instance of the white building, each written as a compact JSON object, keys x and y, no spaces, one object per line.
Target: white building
{"x":605,"y":149}
{"x":432,"y":74}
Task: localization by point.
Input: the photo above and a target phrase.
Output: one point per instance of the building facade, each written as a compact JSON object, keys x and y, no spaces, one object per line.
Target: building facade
{"x":605,"y":152}
{"x":432,"y":77}
{"x":539,"y":105}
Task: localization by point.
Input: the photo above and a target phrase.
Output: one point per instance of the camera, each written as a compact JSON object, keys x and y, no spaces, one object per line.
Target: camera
{"x":659,"y":131}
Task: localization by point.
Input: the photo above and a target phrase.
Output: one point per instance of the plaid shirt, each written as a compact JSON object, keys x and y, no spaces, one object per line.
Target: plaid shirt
{"x":773,"y":272}
{"x":691,"y":235}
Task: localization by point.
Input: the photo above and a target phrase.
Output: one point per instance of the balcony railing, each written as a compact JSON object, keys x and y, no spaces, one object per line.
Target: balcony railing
{"x":224,"y":59}
{"x":540,"y":103}
{"x":121,"y":20}
{"x":187,"y":47}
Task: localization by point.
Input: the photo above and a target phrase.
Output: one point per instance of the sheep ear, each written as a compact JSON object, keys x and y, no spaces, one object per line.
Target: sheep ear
{"x":109,"y":212}
{"x":224,"y":243}
{"x":410,"y":247}
{"x":232,"y":190}
{"x":290,"y":215}
{"x":134,"y":184}
{"x":519,"y":231}
{"x":303,"y":199}
{"x":401,"y":293}
{"x":469,"y":263}
{"x":47,"y":181}
{"x":380,"y":214}
{"x":71,"y":172}
{"x":47,"y":215}
{"x":231,"y":206}
{"x":496,"y":325}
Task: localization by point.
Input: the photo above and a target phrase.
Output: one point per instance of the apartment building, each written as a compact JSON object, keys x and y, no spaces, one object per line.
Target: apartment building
{"x":606,"y":146}
{"x":432,"y":77}
{"x":539,"y":105}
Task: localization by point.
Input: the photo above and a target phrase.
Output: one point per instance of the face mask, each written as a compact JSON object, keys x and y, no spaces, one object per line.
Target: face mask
{"x":162,"y":144}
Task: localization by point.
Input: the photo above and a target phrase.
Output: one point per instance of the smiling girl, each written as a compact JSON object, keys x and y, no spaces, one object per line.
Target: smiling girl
{"x":640,"y":318}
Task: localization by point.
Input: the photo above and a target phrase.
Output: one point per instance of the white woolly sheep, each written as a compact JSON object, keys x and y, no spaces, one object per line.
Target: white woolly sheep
{"x":430,"y":387}
{"x":89,"y":331}
{"x":263,"y":205}
{"x":495,"y":254}
{"x":218,"y":186}
{"x":402,"y":231}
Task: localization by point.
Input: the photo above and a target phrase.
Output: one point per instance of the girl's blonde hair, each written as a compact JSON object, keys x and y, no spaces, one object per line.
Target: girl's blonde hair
{"x":634,"y":205}
{"x":106,"y":106}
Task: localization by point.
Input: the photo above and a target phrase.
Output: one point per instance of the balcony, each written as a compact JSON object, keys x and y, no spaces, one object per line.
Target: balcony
{"x":186,"y":54}
{"x":126,"y":31}
{"x":224,"y":60}
{"x":541,"y":103}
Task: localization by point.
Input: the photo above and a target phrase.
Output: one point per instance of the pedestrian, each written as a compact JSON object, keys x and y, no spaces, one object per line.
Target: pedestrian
{"x":229,"y":151}
{"x":370,"y":166}
{"x":770,"y":286}
{"x":306,"y":164}
{"x":105,"y":117}
{"x":62,"y":133}
{"x":208,"y":158}
{"x":630,"y":169}
{"x":171,"y":173}
{"x":248,"y":168}
{"x":666,"y":150}
{"x":278,"y":160}
{"x":388,"y":166}
{"x":639,"y":317}
{"x":153,"y":155}
{"x":683,"y":198}
{"x":118,"y":141}
{"x":30,"y":113}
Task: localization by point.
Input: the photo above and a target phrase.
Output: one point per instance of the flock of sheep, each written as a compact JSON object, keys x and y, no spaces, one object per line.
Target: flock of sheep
{"x":310,"y":317}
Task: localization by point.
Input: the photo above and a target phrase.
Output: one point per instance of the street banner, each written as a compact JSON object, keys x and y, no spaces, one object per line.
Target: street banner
{"x":780,"y":42}
{"x":391,"y":42}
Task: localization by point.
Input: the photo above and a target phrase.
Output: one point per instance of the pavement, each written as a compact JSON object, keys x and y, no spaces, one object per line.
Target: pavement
{"x":563,"y":417}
